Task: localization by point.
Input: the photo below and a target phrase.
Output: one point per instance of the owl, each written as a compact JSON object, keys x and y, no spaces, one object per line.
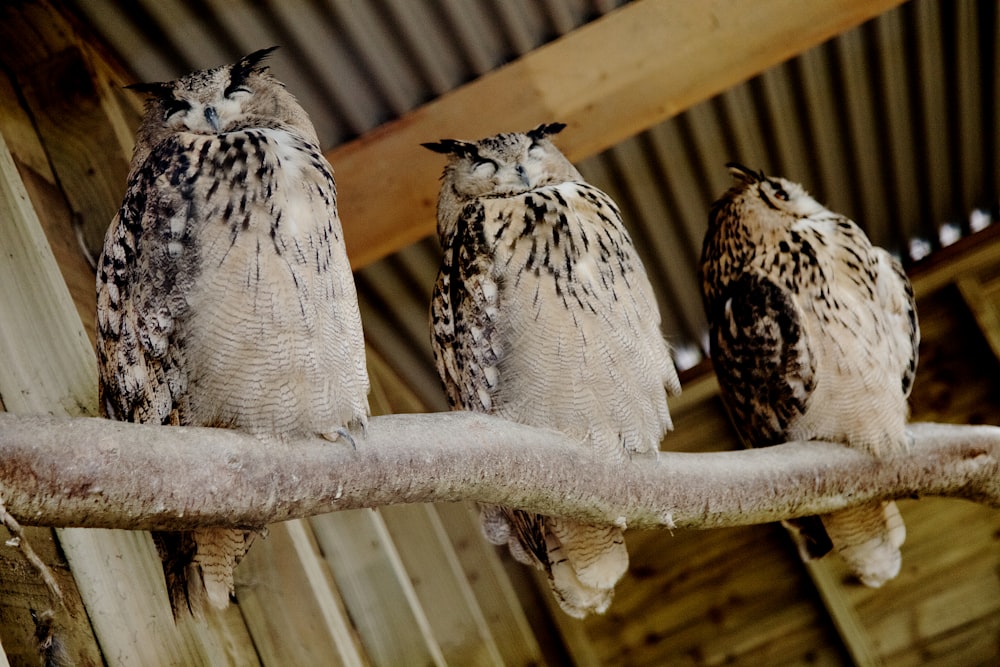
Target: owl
{"x":814,"y":336}
{"x":224,"y":293}
{"x":542,"y":314}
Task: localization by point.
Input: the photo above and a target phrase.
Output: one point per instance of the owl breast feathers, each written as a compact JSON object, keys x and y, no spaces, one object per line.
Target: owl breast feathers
{"x":814,"y":337}
{"x":224,"y":293}
{"x":542,"y":314}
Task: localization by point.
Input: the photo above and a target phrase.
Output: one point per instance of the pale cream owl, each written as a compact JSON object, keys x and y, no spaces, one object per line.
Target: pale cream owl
{"x":542,"y":314}
{"x":813,"y":337}
{"x":224,"y":293}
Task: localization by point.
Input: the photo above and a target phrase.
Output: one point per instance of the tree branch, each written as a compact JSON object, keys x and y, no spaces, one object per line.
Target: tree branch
{"x":98,"y":473}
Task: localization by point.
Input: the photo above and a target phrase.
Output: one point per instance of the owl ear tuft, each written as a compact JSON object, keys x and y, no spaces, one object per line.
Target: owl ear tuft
{"x":156,"y":89}
{"x":744,"y":173}
{"x":545,"y":130}
{"x":452,"y":147}
{"x":249,"y":63}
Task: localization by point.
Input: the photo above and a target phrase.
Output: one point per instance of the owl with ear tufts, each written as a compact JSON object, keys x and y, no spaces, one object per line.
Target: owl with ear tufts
{"x":813,"y":336}
{"x":224,"y":293}
{"x":542,"y":314}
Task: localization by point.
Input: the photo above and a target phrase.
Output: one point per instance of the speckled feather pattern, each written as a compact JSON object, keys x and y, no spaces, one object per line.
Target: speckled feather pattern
{"x":542,"y":314}
{"x":224,"y":293}
{"x":814,"y":336}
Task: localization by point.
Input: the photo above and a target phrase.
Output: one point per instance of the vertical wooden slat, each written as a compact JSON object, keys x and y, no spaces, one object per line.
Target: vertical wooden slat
{"x":787,"y":140}
{"x":332,"y":610}
{"x":822,"y":144}
{"x":379,"y":597}
{"x":653,"y":236}
{"x":290,"y":603}
{"x":857,"y":640}
{"x":453,"y":613}
{"x":49,"y":364}
{"x":501,"y":609}
{"x":80,"y":142}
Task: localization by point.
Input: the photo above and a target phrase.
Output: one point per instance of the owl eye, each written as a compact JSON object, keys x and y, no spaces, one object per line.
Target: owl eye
{"x":779,"y":191}
{"x":173,"y":106}
{"x":232,"y":90}
{"x":484,"y":166}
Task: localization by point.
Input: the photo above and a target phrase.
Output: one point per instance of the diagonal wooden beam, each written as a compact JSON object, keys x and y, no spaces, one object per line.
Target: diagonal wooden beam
{"x":608,"y":80}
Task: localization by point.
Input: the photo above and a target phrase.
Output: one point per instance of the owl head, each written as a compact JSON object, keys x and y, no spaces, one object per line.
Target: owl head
{"x":222,"y":99}
{"x":774,"y":199}
{"x":504,"y":165}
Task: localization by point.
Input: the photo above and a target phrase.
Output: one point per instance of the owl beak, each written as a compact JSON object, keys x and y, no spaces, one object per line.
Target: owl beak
{"x":523,"y":175}
{"x":212,"y":116}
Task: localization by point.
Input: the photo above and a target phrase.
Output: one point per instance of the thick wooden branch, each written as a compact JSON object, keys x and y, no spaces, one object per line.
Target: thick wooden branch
{"x":97,"y":473}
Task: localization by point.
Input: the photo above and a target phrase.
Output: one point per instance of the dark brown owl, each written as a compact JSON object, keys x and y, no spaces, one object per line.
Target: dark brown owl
{"x":813,"y":336}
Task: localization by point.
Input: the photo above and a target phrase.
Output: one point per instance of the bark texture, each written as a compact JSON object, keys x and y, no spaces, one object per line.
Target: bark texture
{"x":90,"y":472}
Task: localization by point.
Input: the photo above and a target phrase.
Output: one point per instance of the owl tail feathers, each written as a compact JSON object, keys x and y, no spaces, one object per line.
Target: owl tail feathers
{"x":585,"y":563}
{"x":198,"y":567}
{"x":869,"y":537}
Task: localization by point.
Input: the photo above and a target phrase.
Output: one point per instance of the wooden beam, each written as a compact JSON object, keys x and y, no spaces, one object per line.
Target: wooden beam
{"x":608,"y":80}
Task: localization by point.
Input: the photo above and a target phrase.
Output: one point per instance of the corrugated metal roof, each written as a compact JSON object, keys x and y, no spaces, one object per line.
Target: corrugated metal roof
{"x":893,"y":123}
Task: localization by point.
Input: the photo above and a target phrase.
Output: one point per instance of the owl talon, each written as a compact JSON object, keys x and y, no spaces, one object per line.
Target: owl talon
{"x":341,"y":432}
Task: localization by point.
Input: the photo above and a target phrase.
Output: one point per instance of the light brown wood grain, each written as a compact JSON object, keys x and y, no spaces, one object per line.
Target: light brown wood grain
{"x":607,"y":80}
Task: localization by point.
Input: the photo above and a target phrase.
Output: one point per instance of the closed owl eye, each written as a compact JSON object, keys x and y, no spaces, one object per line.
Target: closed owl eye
{"x":173,"y":106}
{"x":484,"y":166}
{"x":232,"y":90}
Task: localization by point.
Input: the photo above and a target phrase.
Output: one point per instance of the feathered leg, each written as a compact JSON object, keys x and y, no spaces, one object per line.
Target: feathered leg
{"x":868,"y":537}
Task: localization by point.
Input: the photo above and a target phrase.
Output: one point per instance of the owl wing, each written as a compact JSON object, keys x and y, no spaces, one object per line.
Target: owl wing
{"x":895,"y":293}
{"x":464,"y":313}
{"x":141,"y":373}
{"x":766,"y":372}
{"x":762,"y":357}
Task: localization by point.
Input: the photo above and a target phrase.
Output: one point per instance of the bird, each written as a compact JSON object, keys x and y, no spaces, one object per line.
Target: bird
{"x":542,"y":314}
{"x":224,"y":293}
{"x":813,"y":335}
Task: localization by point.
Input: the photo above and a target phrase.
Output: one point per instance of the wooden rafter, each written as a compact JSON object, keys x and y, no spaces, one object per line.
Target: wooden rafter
{"x":608,"y":81}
